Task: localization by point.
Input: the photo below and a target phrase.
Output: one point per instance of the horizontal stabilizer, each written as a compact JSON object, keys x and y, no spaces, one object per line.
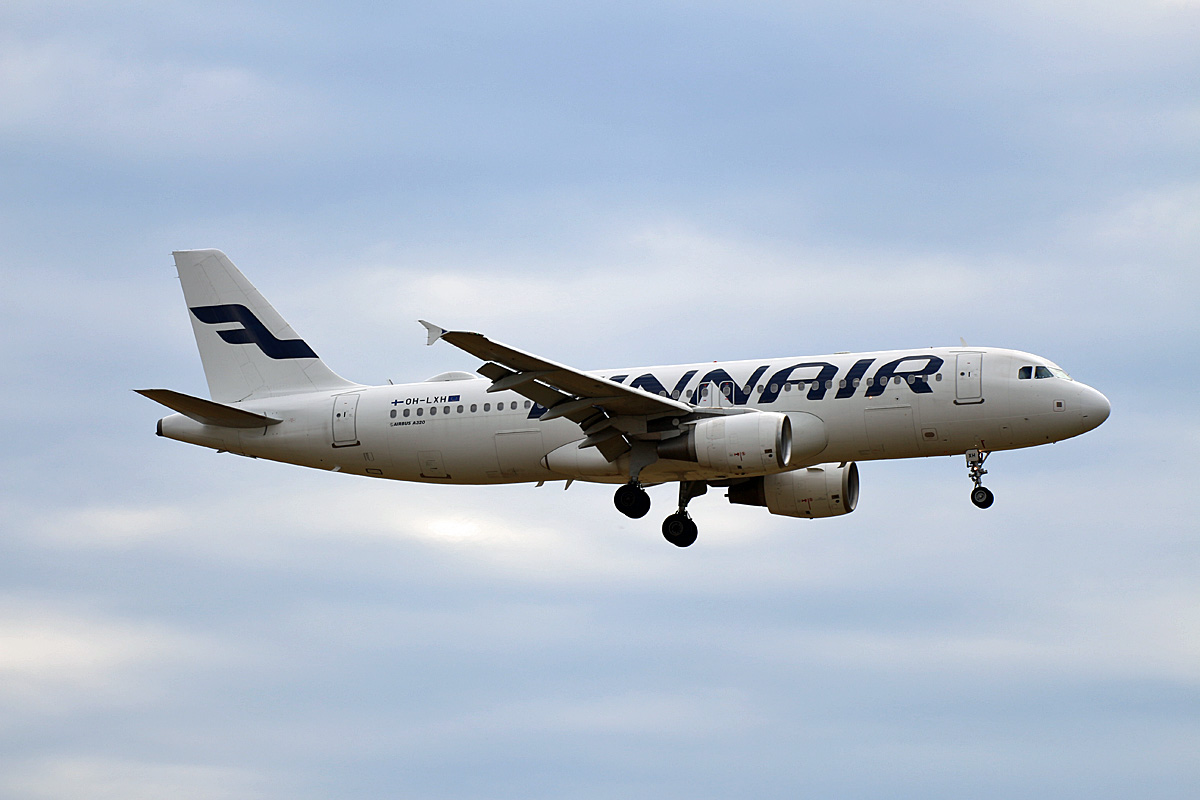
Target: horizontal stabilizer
{"x":206,"y":412}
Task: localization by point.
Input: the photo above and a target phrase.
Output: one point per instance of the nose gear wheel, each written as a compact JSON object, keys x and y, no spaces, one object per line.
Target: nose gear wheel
{"x":982,"y":496}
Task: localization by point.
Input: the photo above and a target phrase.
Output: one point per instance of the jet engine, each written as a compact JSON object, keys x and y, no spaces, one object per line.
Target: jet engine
{"x":824,"y":490}
{"x":739,"y":444}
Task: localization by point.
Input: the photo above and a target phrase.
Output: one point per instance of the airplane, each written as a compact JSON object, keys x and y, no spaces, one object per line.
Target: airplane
{"x":780,"y":433}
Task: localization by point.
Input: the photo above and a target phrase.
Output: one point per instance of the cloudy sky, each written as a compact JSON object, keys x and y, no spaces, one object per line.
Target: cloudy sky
{"x":606,"y":184}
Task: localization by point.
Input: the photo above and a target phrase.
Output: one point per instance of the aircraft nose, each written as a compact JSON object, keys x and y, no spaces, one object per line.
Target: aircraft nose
{"x":1094,"y":408}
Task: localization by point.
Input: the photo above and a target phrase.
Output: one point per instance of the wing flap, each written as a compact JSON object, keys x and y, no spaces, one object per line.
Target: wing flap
{"x":206,"y":412}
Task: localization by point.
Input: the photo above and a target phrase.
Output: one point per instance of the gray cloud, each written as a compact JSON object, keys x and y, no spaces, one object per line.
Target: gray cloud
{"x":606,"y":185}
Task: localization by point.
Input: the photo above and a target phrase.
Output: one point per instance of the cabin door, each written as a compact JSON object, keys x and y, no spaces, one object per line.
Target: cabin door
{"x":345,"y":430}
{"x":968,"y":378}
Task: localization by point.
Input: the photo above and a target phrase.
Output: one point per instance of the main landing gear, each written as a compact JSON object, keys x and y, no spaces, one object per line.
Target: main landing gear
{"x":678,"y":529}
{"x":980,"y":495}
{"x":632,"y":500}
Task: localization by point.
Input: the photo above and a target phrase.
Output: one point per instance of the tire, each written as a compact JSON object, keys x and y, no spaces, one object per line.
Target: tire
{"x":632,"y":501}
{"x":982,"y":497}
{"x":679,"y":530}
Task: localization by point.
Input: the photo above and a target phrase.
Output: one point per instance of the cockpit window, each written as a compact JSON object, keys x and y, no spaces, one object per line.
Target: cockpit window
{"x":1043,"y":372}
{"x":1025,"y":373}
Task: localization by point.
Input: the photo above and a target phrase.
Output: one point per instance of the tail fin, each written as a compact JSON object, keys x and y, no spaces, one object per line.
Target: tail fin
{"x":247,"y":349}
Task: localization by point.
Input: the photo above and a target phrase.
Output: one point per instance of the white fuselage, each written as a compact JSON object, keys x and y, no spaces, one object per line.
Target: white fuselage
{"x":894,"y":404}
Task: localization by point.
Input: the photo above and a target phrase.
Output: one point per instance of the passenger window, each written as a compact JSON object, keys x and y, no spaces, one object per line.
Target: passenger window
{"x":514,"y":405}
{"x":474,"y":408}
{"x":1043,"y":372}
{"x":1025,"y":373}
{"x":406,"y":412}
{"x":459,"y":409}
{"x":446,"y":410}
{"x":393,"y":414}
{"x":528,"y":404}
{"x":432,"y":410}
{"x":420,"y":411}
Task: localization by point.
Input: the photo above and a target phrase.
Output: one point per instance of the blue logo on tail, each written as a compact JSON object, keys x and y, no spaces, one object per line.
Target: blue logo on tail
{"x":251,"y":332}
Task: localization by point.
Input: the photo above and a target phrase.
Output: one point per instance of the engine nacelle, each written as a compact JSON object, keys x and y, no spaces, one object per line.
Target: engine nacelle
{"x":739,"y":444}
{"x":826,"y":490}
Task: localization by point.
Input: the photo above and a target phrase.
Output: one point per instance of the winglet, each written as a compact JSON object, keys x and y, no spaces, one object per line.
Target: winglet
{"x":435,"y":332}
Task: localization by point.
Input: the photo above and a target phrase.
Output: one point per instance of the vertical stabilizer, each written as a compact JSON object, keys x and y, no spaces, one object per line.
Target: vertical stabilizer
{"x":247,"y":349}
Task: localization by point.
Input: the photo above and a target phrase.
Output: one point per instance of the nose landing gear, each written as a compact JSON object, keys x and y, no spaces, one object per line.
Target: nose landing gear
{"x":981,"y":496}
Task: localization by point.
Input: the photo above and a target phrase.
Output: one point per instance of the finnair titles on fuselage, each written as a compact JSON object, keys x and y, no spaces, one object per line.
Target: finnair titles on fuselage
{"x":782,"y":433}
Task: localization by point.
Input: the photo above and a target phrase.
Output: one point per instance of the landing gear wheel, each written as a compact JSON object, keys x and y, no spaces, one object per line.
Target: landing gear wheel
{"x":982,"y":496}
{"x":632,"y":501}
{"x":679,"y":530}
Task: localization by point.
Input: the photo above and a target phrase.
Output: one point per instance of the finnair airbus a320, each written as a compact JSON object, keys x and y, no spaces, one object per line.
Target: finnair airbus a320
{"x":783,"y":433}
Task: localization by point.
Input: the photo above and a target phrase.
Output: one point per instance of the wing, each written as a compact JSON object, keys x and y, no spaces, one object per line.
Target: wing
{"x":606,"y":411}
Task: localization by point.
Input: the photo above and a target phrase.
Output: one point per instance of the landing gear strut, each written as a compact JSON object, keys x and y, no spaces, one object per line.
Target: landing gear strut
{"x":632,"y":500}
{"x":980,"y":495}
{"x":678,"y":529}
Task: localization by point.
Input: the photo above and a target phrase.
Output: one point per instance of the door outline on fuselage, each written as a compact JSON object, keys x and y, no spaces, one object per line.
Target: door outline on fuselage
{"x":345,"y":426}
{"x":891,"y":431}
{"x":968,"y":379}
{"x":519,"y":453}
{"x":725,"y":393}
{"x":430,"y":465}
